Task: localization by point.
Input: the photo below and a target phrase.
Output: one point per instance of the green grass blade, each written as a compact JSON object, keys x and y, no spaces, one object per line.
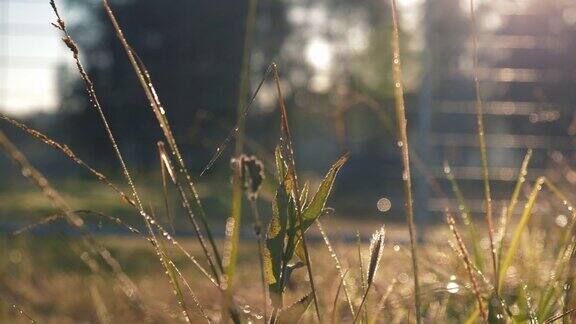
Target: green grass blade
{"x":466,"y":216}
{"x":473,"y":316}
{"x":514,"y":244}
{"x":482,"y":139}
{"x":232,"y":240}
{"x":514,"y":198}
{"x":287,"y":146}
{"x":274,"y":252}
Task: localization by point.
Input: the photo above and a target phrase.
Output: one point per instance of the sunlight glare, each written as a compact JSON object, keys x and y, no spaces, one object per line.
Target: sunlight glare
{"x":319,"y":54}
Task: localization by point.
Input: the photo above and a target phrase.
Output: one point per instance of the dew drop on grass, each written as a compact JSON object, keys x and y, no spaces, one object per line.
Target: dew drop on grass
{"x":26,"y":172}
{"x":452,"y":287}
{"x":561,"y":220}
{"x":403,"y":277}
{"x":383,"y":204}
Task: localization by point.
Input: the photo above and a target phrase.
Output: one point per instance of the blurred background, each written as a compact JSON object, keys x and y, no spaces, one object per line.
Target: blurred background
{"x":335,"y":63}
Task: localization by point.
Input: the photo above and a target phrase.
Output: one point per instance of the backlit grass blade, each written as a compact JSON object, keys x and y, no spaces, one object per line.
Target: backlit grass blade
{"x":375,"y":251}
{"x":316,"y":205}
{"x":514,"y":198}
{"x":338,"y":264}
{"x":101,"y":310}
{"x":195,"y":207}
{"x":294,"y":312}
{"x":245,"y":73}
{"x":514,"y":244}
{"x":559,"y":316}
{"x":164,"y":260}
{"x":383,"y":300}
{"x":401,"y":124}
{"x":288,"y":149}
{"x":467,"y":264}
{"x":482,"y":140}
{"x":71,"y":155}
{"x":166,"y":167}
{"x":335,"y":303}
{"x":20,"y":311}
{"x":275,"y":240}
{"x":232,"y":237}
{"x":466,"y":216}
{"x":363,"y":279}
{"x":37,"y":178}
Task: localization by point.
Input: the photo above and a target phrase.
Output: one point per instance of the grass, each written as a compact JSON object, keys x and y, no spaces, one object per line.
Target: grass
{"x":154,"y":276}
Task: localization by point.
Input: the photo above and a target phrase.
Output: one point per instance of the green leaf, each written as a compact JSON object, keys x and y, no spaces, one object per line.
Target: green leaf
{"x":292,"y":233}
{"x":318,"y":202}
{"x":294,"y":312}
{"x":314,"y":209}
{"x":280,"y":165}
{"x":274,"y":252}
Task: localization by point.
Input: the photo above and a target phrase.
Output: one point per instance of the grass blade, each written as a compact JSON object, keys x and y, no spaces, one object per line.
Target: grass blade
{"x":466,"y":216}
{"x":383,"y":300}
{"x":236,"y":204}
{"x":20,"y":311}
{"x":514,"y":244}
{"x":376,"y":250}
{"x":286,"y":145}
{"x":251,"y":177}
{"x":125,"y":283}
{"x":245,"y":73}
{"x":318,"y":202}
{"x":468,"y":265}
{"x":514,"y":199}
{"x":559,"y":316}
{"x":338,"y":265}
{"x":275,"y":238}
{"x":335,"y":304}
{"x":482,"y":141}
{"x":403,"y":143}
{"x":196,"y":206}
{"x":294,"y":312}
{"x":166,"y":167}
{"x":164,"y":260}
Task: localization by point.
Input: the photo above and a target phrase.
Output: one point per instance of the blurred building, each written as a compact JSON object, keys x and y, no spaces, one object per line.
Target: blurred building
{"x":527,"y":74}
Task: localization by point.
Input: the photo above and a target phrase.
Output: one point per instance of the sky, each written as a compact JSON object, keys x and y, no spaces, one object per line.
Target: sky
{"x":30,"y":52}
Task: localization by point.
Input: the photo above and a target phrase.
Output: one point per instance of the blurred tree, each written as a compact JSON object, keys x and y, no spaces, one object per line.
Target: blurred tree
{"x":193,"y":51}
